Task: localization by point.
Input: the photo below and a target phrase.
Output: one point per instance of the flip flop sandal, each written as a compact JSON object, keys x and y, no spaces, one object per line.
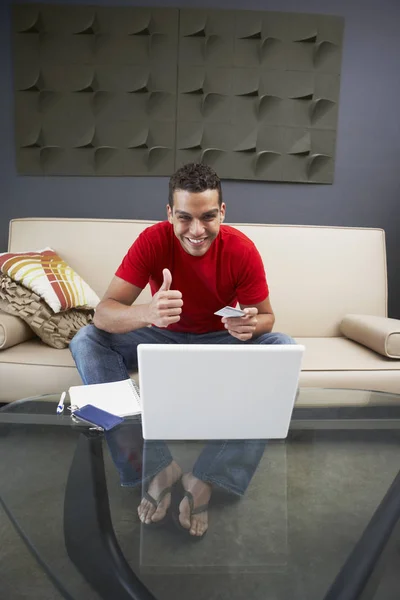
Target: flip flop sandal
{"x":156,"y":504}
{"x":193,"y":511}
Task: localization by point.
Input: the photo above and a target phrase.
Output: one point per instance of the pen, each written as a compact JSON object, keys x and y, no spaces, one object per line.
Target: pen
{"x":60,"y":405}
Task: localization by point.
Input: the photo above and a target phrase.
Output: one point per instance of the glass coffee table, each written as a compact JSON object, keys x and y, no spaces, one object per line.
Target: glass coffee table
{"x":318,"y":522}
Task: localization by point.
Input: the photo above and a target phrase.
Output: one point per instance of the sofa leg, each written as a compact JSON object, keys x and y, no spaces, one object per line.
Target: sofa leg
{"x":89,"y":535}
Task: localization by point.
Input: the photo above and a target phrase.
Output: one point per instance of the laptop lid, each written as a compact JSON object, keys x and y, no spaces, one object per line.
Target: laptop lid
{"x":204,"y":392}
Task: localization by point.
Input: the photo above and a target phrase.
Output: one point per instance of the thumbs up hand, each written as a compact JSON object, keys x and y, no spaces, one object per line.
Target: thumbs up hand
{"x":167,"y":280}
{"x":166,"y":305}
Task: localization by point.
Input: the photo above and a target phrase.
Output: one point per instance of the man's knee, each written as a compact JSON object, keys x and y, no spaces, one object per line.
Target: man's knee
{"x":276,"y":338}
{"x":84,"y":339}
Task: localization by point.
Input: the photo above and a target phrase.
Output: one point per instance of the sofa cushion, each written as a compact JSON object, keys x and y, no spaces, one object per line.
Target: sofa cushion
{"x":34,"y":352}
{"x":13,"y":330}
{"x":33,"y":369}
{"x":378,"y":333}
{"x":381,"y":381}
{"x":56,"y":330}
{"x":341,"y":354}
{"x":49,"y":276}
{"x":342,"y":363}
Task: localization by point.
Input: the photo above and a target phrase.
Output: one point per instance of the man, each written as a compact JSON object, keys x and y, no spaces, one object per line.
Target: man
{"x":195,"y":266}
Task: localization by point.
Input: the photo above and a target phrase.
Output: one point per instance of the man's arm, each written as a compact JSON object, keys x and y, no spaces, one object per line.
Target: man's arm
{"x":117,"y":314}
{"x":114,"y":312}
{"x":259,"y":319}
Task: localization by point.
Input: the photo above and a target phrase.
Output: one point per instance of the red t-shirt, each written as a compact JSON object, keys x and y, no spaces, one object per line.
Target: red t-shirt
{"x":230,"y":271}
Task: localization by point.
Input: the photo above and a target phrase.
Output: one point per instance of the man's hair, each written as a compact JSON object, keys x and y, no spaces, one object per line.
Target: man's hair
{"x":194,"y":177}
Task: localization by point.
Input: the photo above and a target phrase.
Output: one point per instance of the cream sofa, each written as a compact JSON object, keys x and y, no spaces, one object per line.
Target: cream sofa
{"x":317,"y":276}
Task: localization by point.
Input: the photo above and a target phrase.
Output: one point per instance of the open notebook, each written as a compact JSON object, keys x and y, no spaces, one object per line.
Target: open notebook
{"x":120,"y":398}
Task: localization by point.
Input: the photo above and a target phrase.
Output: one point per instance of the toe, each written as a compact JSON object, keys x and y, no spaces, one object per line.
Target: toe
{"x":194,"y":527}
{"x":145,"y":511}
{"x":149,"y":515}
{"x":203,"y":528}
{"x":140,"y":510}
{"x":184,"y":514}
{"x":193,"y":531}
{"x":161,"y":510}
{"x":157,"y":516}
{"x":199,"y":526}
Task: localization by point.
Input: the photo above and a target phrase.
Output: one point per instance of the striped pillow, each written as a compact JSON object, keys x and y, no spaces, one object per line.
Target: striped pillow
{"x":49,"y":276}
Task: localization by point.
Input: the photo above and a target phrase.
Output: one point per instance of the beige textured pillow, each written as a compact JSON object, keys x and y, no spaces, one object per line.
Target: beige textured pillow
{"x":13,"y":331}
{"x":54,"y":329}
{"x":378,"y":333}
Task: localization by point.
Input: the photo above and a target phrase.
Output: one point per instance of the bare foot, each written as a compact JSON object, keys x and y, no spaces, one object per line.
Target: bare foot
{"x":197,"y":524}
{"x":148,"y":513}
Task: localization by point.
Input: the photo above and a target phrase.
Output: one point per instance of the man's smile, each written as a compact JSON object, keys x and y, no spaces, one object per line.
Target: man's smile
{"x":196,"y":241}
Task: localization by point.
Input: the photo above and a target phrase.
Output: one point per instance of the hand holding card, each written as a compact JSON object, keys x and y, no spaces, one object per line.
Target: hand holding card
{"x":241,"y":324}
{"x":229,"y":311}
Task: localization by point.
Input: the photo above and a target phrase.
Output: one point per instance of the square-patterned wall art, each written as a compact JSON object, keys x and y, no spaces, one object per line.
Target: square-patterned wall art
{"x":125,"y":91}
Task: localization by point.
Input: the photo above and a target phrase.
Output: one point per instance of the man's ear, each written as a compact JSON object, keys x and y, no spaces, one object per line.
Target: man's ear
{"x":222,"y":212}
{"x":169,"y":213}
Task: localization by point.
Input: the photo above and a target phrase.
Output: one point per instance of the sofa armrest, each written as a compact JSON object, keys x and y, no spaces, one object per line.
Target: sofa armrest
{"x":13,"y":331}
{"x":378,"y":333}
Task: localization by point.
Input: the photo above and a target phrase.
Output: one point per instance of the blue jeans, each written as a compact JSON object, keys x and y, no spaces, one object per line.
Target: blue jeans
{"x":103,"y":357}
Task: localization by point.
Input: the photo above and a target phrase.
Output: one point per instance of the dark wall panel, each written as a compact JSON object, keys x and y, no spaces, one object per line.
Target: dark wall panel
{"x":139,"y":91}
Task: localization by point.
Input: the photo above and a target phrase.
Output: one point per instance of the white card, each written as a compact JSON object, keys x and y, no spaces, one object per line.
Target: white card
{"x":229,"y":311}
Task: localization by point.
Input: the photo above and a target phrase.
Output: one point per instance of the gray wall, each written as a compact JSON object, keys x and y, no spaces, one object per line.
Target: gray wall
{"x":366,"y":189}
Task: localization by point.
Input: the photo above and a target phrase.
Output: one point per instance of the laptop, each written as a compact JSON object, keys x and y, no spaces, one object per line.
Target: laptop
{"x":206,"y":392}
